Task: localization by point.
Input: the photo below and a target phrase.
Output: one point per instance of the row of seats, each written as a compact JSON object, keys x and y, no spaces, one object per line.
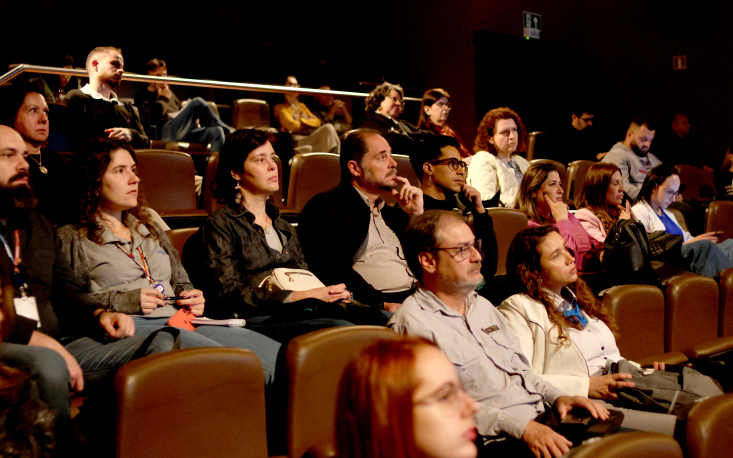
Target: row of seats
{"x":224,"y":402}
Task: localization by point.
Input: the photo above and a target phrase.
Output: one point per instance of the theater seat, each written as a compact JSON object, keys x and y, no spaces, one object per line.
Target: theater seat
{"x":631,"y":445}
{"x":250,"y":113}
{"x":192,"y":403}
{"x":639,"y":314}
{"x":719,"y":217}
{"x":577,"y":171}
{"x":404,"y":169}
{"x":314,"y":364}
{"x":179,"y":237}
{"x":699,"y":183}
{"x":507,"y":224}
{"x":710,"y":428}
{"x":167,"y":183}
{"x":311,"y":174}
{"x":541,"y":145}
{"x":725,"y":303}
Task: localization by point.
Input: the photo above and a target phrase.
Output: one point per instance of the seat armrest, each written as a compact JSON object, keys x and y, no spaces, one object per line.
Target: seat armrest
{"x":673,"y":357}
{"x":710,"y":348}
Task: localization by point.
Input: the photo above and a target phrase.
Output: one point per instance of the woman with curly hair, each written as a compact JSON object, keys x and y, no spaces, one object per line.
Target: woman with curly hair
{"x":402,"y":398}
{"x":565,"y":332}
{"x":434,"y":113}
{"x":383,"y":105}
{"x":496,"y":167}
{"x":126,"y":261}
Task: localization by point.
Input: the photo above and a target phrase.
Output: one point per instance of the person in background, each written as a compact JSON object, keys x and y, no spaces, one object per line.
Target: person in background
{"x":434,"y":113}
{"x":65,"y":83}
{"x":680,"y":146}
{"x":332,"y":111}
{"x":403,"y":399}
{"x":383,"y":106}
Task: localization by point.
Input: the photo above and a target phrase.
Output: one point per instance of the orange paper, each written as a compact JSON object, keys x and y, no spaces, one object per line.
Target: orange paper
{"x":182,"y":319}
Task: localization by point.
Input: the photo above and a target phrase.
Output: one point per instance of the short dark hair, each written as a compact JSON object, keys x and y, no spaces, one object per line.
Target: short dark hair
{"x":154,"y":63}
{"x":639,"y":121}
{"x":428,"y":100}
{"x":354,"y":148}
{"x":579,"y":109}
{"x":654,"y":178}
{"x":14,"y":95}
{"x":379,"y":93}
{"x":231,"y":157}
{"x":428,"y":149}
{"x":422,"y":235}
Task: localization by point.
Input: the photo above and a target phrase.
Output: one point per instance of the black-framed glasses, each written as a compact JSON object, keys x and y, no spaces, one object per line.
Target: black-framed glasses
{"x":451,"y":162}
{"x":461,"y":253}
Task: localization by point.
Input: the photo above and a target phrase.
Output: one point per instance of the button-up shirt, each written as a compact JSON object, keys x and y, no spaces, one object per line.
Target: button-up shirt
{"x":487,"y":357}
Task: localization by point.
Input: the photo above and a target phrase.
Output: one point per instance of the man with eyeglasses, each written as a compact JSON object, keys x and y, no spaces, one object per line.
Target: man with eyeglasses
{"x":632,"y":156}
{"x":446,"y":258}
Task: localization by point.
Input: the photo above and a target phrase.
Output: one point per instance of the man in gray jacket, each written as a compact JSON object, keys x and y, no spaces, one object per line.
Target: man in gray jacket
{"x":632,"y":155}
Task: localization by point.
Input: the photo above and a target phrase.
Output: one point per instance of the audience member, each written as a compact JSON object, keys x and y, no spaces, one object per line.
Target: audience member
{"x":724,"y":177}
{"x":64,"y":83}
{"x":403,"y":399}
{"x":577,"y":139}
{"x":679,"y":146}
{"x":632,"y":156}
{"x":437,"y":162}
{"x":95,"y":107}
{"x":445,"y":309}
{"x":540,"y":198}
{"x":167,"y":118}
{"x":332,"y":111}
{"x":699,"y":254}
{"x":383,"y":105}
{"x":563,"y":330}
{"x":27,"y":112}
{"x":497,"y":167}
{"x":351,"y":236}
{"x":601,"y":200}
{"x":434,"y":113}
{"x":241,"y":243}
{"x":307,"y":129}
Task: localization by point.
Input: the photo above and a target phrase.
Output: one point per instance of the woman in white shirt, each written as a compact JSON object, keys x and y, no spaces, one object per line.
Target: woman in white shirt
{"x":702,"y":254}
{"x":497,"y":167}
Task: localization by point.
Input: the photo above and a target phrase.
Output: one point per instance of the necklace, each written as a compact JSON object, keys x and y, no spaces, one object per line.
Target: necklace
{"x":267,"y":225}
{"x":39,"y":161}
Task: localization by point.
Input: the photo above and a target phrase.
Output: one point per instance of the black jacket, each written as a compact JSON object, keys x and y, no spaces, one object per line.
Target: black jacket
{"x":397,"y":133}
{"x":332,"y":227}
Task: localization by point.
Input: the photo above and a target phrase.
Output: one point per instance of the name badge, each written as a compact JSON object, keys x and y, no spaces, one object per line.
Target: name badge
{"x":26,"y":306}
{"x":491,"y":329}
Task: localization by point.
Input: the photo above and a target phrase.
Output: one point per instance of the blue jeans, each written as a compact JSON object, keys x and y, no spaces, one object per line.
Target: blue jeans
{"x":183,"y":127}
{"x":265,"y":348}
{"x":706,"y":258}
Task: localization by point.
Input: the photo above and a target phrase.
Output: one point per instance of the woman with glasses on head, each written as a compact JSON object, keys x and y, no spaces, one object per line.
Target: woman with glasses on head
{"x":383,"y":105}
{"x":437,"y":162}
{"x":402,"y":398}
{"x":434,"y":113}
{"x":700,"y":254}
{"x":496,"y":167}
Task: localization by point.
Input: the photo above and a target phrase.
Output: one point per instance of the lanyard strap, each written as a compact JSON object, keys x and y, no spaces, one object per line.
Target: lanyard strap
{"x":144,"y":266}
{"x":16,"y":258}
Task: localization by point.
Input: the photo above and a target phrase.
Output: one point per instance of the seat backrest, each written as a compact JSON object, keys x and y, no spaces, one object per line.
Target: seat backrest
{"x":708,"y":433}
{"x":250,"y":113}
{"x":535,"y":138}
{"x":192,"y":403}
{"x":314,"y":365}
{"x":311,"y":174}
{"x":725,"y":303}
{"x":577,"y":170}
{"x":699,"y":183}
{"x":507,"y":223}
{"x":631,"y":445}
{"x":639,"y":314}
{"x":404,"y":169}
{"x":719,"y":217}
{"x":166,"y":180}
{"x":179,"y":237}
{"x":691,"y":312}
{"x":210,"y":204}
{"x":562,"y":170}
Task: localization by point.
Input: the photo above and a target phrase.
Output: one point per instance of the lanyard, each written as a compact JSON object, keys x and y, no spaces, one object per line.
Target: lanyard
{"x":144,"y":266}
{"x":16,"y":258}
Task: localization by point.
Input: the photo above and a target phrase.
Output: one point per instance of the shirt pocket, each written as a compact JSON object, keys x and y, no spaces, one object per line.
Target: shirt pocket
{"x":470,"y":371}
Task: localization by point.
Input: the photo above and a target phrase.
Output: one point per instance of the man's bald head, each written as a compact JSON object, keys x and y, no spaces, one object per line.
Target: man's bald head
{"x":11,"y":139}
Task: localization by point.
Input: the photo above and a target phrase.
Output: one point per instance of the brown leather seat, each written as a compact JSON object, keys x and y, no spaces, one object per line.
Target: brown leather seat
{"x":725,"y":303}
{"x":562,"y":170}
{"x":699,"y":183}
{"x":719,"y":217}
{"x":179,"y":237}
{"x":577,"y":170}
{"x":632,"y":445}
{"x":709,"y":433}
{"x":192,"y":403}
{"x":311,"y":174}
{"x":167,"y":182}
{"x":507,"y":224}
{"x":691,"y":318}
{"x":314,"y":364}
{"x":639,"y":313}
{"x":540,"y":145}
{"x":248,"y":113}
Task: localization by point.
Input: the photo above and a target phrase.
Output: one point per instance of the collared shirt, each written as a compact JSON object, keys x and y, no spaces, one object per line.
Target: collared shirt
{"x":596,"y":341}
{"x":380,"y":260}
{"x":87,"y":89}
{"x":111,"y":269}
{"x":487,"y":357}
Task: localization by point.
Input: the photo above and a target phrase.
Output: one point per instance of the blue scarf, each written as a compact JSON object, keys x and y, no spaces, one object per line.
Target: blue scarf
{"x":575,"y":311}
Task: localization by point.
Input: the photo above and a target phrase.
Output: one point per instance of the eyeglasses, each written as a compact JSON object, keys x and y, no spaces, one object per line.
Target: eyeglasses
{"x":671,"y":192}
{"x":445,"y":106}
{"x":448,"y":397}
{"x":461,"y":253}
{"x":452,"y":162}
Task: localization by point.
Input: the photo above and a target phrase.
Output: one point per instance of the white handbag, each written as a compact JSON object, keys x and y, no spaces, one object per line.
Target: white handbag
{"x":283,"y":279}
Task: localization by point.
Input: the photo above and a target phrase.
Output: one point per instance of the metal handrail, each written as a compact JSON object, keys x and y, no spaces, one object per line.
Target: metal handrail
{"x":23,"y":68}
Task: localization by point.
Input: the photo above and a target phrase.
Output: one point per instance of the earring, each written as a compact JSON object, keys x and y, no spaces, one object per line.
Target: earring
{"x":430,"y":180}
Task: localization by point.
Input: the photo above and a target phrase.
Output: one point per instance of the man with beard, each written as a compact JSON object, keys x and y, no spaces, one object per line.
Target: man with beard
{"x":349,"y":235}
{"x":632,"y":155}
{"x":95,"y":106}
